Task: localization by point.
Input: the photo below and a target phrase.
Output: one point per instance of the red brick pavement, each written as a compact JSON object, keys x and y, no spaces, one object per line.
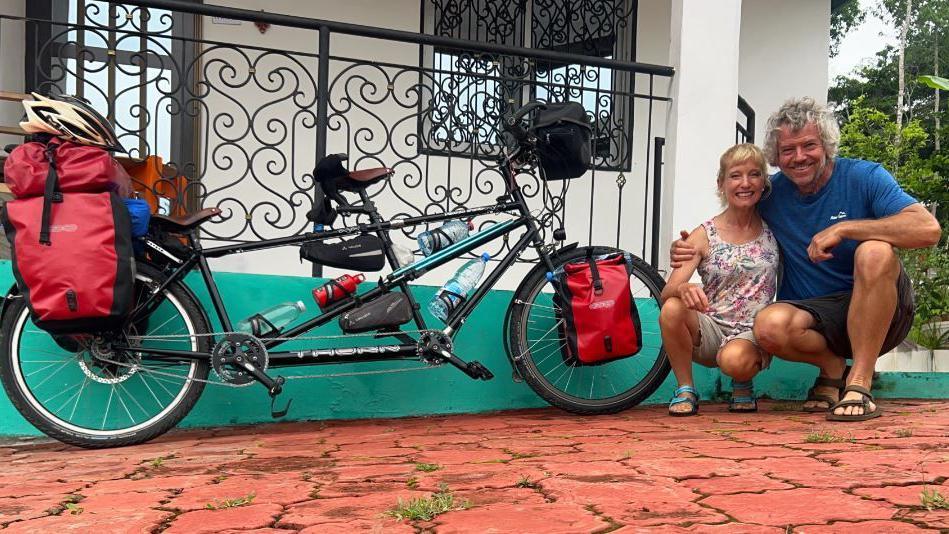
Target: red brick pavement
{"x":544,"y":471}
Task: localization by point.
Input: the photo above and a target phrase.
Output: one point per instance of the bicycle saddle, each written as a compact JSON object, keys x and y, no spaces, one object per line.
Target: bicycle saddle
{"x":186,"y":222}
{"x":331,"y":173}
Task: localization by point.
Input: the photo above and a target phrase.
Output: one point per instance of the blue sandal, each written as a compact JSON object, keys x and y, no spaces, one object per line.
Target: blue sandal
{"x":733,"y":406}
{"x":693,"y":400}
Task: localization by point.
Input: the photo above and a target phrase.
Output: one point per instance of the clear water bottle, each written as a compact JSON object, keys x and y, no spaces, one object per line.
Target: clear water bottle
{"x":444,"y":235}
{"x":458,"y":286}
{"x":272,"y":320}
{"x":403,"y":255}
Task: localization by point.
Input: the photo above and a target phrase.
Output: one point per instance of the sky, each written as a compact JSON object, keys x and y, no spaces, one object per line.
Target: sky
{"x":862,"y":43}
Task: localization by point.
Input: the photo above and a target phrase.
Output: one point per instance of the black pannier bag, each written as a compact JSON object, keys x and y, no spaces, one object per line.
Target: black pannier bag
{"x":389,"y":310}
{"x":563,"y":140}
{"x":361,"y":253}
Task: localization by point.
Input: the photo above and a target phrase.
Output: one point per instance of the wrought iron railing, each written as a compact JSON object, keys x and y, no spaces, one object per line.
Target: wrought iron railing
{"x":244,"y":125}
{"x":745,"y":125}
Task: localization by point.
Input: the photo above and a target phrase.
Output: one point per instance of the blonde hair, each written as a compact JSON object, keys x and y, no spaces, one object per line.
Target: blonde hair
{"x":742,"y":153}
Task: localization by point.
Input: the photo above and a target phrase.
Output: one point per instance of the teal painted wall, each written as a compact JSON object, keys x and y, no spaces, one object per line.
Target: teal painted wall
{"x":440,"y":390}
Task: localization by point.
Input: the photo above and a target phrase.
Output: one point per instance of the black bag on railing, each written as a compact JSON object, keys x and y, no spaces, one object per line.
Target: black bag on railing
{"x":361,"y":253}
{"x":563,"y":140}
{"x":389,"y":310}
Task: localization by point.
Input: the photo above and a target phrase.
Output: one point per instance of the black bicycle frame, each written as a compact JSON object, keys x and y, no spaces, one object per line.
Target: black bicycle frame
{"x":513,"y":202}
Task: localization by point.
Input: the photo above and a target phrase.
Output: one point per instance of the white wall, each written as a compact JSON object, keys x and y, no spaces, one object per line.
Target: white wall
{"x":12,"y":44}
{"x":784,"y":54}
{"x":704,"y":52}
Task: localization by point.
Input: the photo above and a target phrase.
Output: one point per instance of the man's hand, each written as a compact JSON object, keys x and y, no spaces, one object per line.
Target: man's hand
{"x":823,"y":242}
{"x":694,"y":297}
{"x":681,"y":252}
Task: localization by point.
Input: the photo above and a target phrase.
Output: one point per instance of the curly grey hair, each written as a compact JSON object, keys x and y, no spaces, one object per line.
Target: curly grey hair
{"x":796,"y":113}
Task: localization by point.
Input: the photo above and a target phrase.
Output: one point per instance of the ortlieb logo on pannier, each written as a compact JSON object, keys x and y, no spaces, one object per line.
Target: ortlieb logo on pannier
{"x":596,"y":311}
{"x":70,"y":236}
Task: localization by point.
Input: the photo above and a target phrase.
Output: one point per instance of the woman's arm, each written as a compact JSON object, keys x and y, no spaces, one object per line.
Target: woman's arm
{"x":677,"y":285}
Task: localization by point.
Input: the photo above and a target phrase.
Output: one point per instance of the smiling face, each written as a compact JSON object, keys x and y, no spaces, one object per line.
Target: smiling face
{"x":743,"y":184}
{"x":801,"y":157}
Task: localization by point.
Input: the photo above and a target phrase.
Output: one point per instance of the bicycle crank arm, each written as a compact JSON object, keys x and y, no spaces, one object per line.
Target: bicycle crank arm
{"x":473,"y":369}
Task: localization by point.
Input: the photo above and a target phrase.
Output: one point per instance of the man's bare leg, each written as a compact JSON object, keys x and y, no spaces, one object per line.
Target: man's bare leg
{"x":787,"y":332}
{"x":876,"y":270}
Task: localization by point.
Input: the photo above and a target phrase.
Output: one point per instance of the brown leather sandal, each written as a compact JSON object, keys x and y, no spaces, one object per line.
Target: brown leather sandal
{"x":864,"y":401}
{"x":823,"y":381}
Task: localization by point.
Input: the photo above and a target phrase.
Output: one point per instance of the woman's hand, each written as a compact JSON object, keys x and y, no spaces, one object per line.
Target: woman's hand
{"x":693,"y":296}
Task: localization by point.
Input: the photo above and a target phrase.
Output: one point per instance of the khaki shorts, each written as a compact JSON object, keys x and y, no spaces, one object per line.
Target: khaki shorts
{"x":711,"y":335}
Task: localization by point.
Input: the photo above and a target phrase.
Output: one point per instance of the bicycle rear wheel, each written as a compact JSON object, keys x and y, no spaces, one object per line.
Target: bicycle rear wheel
{"x":93,"y":398}
{"x":535,"y":342}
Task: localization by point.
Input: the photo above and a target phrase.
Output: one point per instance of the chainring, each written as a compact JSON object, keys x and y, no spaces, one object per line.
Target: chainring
{"x":232,"y":356}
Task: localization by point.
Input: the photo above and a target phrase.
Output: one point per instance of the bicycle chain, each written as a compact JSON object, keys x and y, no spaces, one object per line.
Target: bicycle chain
{"x":300,"y":377}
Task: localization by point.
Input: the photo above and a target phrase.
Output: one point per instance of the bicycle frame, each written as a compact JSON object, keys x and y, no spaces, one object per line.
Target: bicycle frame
{"x":512,"y":202}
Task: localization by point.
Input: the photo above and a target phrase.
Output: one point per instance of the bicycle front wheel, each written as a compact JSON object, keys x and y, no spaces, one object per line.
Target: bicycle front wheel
{"x":536,"y":341}
{"x":93,"y":398}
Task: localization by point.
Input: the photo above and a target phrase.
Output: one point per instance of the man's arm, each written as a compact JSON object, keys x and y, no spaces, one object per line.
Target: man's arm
{"x":913,"y":227}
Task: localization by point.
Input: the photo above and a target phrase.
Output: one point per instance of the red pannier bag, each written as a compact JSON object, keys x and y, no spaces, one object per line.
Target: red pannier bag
{"x":596,"y":310}
{"x":70,"y":237}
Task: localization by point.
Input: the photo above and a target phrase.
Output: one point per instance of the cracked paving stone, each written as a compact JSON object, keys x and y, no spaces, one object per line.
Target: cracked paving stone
{"x":249,"y":517}
{"x":798,"y":506}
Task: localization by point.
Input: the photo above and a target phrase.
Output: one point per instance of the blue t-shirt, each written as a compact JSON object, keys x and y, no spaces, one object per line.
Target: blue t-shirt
{"x":857,"y":189}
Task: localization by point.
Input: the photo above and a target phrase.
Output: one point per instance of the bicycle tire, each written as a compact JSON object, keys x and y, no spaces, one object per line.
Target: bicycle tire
{"x":626,"y":382}
{"x":41,"y":378}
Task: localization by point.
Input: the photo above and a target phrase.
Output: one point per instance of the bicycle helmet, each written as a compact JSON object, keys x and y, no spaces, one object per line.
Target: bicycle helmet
{"x":70,"y":118}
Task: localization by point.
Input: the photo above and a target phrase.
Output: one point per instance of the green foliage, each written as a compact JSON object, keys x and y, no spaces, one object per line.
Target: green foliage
{"x":425,"y":509}
{"x":843,"y":19}
{"x":870,"y":134}
{"x":935,"y":82}
{"x":824,"y":436}
{"x":427,"y":468}
{"x":931,"y":499}
{"x":928,"y":268}
{"x":231,"y":503}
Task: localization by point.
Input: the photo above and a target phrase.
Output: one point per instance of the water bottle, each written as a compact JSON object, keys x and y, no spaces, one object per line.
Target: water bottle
{"x":338,"y":289}
{"x":403,"y":256}
{"x":441,"y":237}
{"x":272,"y":320}
{"x":457,"y":287}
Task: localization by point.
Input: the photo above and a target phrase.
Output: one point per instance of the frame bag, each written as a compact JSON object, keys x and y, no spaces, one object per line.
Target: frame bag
{"x":596,"y":311}
{"x":362,"y":253}
{"x":70,"y":237}
{"x":387,"y":311}
{"x":563,"y":140}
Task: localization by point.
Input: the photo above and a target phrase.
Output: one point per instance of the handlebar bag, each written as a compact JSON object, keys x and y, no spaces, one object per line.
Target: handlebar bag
{"x":563,"y":140}
{"x":387,"y":311}
{"x":596,"y":311}
{"x":361,"y":253}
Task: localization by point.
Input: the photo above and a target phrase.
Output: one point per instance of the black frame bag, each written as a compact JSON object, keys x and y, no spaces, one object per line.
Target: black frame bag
{"x":563,"y":140}
{"x":361,"y":253}
{"x":386,"y":311}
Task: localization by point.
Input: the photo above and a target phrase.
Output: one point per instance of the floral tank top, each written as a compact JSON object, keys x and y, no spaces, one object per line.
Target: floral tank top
{"x":739,"y":280}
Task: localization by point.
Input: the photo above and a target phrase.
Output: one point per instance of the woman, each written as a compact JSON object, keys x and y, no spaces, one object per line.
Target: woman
{"x":710,"y":323}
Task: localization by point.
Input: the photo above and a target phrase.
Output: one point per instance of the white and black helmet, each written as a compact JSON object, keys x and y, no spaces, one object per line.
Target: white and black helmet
{"x":70,"y":118}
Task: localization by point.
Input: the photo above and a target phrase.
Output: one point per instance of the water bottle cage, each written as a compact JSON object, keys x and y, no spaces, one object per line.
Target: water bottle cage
{"x":440,"y":239}
{"x":257,"y":321}
{"x":449,"y":305}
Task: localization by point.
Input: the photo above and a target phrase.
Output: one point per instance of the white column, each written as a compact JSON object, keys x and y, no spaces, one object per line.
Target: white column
{"x":704,"y":52}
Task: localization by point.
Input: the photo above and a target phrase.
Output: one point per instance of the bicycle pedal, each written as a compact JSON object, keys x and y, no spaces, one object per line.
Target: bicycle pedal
{"x":476,"y":370}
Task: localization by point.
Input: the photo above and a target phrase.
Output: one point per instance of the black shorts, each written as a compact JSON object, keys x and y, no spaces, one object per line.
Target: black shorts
{"x":830,"y":316}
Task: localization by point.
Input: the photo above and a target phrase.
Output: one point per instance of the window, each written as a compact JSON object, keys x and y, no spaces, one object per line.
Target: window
{"x":470,"y":91}
{"x":121,"y":59}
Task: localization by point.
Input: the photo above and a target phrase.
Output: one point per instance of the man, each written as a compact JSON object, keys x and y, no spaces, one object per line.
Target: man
{"x":844,"y":293}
